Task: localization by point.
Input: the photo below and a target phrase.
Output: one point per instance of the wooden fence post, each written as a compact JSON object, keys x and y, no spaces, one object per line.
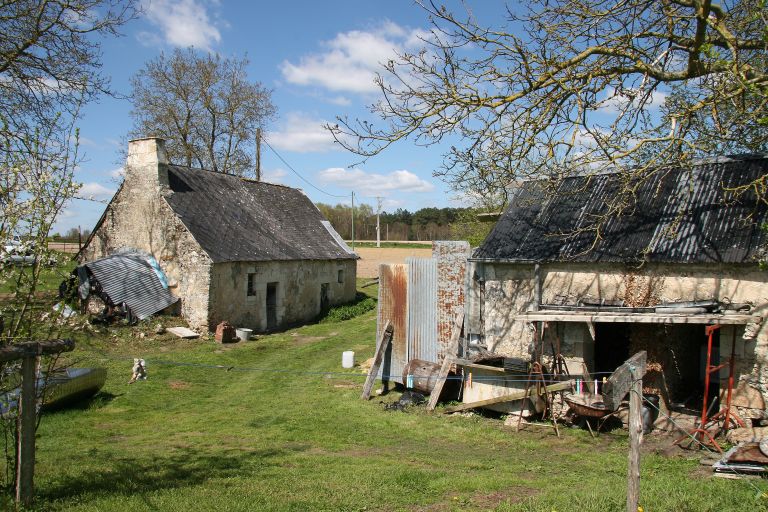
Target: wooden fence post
{"x":28,"y":352}
{"x":635,"y":436}
{"x":27,"y":418}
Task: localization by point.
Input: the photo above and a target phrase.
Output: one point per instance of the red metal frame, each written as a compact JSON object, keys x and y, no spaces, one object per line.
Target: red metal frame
{"x":728,"y":417}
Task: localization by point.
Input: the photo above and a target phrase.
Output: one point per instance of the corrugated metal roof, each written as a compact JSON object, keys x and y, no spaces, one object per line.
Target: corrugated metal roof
{"x":131,"y":279}
{"x":675,"y":215}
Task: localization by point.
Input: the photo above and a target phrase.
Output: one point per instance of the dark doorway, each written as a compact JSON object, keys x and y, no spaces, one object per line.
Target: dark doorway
{"x":271,"y":306}
{"x":611,"y":347}
{"x":677,"y":357}
{"x":325,"y":298}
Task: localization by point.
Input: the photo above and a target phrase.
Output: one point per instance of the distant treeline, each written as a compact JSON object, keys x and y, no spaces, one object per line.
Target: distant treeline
{"x":401,"y":225}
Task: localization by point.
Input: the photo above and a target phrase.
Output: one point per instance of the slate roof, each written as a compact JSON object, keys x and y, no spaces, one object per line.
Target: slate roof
{"x":131,"y":279}
{"x":679,"y":216}
{"x":234,"y":219}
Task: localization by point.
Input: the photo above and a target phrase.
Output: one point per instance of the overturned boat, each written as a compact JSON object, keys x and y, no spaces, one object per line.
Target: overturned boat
{"x":59,"y":388}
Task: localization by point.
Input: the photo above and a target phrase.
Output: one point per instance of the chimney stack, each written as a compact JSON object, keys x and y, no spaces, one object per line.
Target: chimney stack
{"x":147,"y":159}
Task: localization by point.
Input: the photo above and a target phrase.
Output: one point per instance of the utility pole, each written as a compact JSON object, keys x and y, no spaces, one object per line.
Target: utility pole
{"x":353,"y":221}
{"x":258,"y":154}
{"x":378,"y":225}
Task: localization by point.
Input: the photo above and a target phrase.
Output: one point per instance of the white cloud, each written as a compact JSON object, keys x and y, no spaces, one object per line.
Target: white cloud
{"x":371,"y":184}
{"x":95,"y":192}
{"x":351,"y":59}
{"x":616,"y":100}
{"x":274,"y":176}
{"x":118,"y":173}
{"x":182,"y":23}
{"x":302,"y":134}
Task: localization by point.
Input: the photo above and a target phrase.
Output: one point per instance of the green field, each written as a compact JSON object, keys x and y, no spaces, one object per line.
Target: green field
{"x":276,"y":424}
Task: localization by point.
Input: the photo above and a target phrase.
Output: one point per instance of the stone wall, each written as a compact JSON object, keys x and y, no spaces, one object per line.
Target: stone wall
{"x":139,"y":218}
{"x":510,"y":288}
{"x":298,"y":290}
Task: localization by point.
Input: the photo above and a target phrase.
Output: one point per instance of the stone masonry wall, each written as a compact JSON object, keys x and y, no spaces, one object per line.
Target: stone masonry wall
{"x":298,"y":291}
{"x":139,"y":218}
{"x":509,"y":289}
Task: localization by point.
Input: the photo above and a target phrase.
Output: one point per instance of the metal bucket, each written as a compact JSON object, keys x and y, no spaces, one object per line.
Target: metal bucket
{"x":244,"y":334}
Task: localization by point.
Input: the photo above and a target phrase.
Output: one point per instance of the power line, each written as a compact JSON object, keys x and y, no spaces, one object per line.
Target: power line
{"x":296,"y":172}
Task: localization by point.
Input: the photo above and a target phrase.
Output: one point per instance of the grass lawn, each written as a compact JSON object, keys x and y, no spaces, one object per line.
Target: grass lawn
{"x":276,"y":424}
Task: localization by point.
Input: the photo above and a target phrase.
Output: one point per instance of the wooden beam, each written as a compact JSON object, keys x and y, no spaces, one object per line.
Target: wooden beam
{"x":381,"y":347}
{"x":645,"y":318}
{"x":35,"y":348}
{"x":448,"y":359}
{"x":470,"y":364}
{"x":518,"y":395}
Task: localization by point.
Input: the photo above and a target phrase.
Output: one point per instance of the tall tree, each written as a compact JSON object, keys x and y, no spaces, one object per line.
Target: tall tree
{"x":50,"y":64}
{"x":204,"y":106}
{"x":577,"y":86}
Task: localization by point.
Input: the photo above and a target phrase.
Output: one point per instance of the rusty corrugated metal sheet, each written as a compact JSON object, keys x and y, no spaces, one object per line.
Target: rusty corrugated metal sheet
{"x":393,"y":306}
{"x":451,"y":260}
{"x":422,"y":309}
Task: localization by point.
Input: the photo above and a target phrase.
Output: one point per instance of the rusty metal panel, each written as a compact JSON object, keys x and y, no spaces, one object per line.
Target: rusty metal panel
{"x":422,"y":309}
{"x":393,"y":306}
{"x":451,"y":260}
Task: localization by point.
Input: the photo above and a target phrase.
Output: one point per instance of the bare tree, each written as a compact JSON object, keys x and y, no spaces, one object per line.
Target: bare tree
{"x":205,"y":108}
{"x":576,"y":86}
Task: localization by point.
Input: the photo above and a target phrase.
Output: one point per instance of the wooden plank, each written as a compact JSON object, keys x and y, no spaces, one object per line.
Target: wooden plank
{"x":35,"y":348}
{"x":183,"y":332}
{"x":470,"y":364}
{"x":646,"y":318}
{"x":620,"y":381}
{"x":635,"y":435}
{"x":518,"y":395}
{"x":453,"y":349}
{"x":25,"y":470}
{"x":441,"y":378}
{"x":381,"y":347}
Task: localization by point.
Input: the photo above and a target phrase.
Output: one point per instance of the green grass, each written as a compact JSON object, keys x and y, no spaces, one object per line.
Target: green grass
{"x":50,"y":275}
{"x":277,"y":424}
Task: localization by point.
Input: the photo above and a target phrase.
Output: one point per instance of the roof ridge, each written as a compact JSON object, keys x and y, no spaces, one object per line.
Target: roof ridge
{"x":235,"y":176}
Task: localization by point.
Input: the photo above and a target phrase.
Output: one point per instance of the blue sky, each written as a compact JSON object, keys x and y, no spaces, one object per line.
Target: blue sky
{"x":319,"y":59}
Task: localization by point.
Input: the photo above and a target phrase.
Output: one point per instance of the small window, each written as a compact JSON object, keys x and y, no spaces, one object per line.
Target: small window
{"x":251,"y":290}
{"x":341,"y":276}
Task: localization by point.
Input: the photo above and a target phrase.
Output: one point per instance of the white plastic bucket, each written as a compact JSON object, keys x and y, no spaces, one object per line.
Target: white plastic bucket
{"x":348,"y":359}
{"x":244,"y":334}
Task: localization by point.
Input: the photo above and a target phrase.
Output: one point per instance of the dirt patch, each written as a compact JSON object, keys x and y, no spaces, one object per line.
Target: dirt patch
{"x":482,"y":501}
{"x":371,"y":258}
{"x":300,"y":341}
{"x":179,"y":384}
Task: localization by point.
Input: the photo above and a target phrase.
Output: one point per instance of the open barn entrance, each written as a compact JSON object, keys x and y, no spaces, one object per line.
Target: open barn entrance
{"x":677,"y":357}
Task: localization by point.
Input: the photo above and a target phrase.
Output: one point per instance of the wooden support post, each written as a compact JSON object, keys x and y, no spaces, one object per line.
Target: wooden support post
{"x":636,"y":372}
{"x":381,"y":347}
{"x":27,"y":418}
{"x":517,"y":395}
{"x":448,"y":360}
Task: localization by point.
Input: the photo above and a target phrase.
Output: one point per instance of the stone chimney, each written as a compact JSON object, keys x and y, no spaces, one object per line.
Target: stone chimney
{"x":147,"y":161}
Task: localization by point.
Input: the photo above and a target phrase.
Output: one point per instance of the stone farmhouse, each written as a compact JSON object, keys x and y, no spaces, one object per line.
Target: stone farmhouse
{"x":684,"y":257}
{"x":257,"y":255}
